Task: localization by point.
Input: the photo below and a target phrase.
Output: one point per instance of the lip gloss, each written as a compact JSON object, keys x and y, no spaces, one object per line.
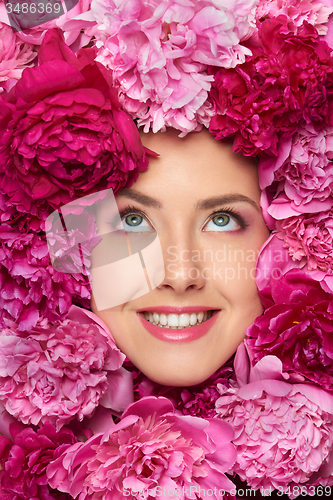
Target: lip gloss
{"x":178,"y":335}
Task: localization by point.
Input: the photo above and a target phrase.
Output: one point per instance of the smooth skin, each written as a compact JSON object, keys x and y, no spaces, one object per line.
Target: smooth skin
{"x":205,"y":208}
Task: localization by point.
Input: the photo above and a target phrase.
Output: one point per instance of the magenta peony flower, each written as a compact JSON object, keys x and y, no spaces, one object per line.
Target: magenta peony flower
{"x":302,"y":173}
{"x":297,"y":328}
{"x":283,"y":431}
{"x":31,"y":288}
{"x":20,"y":220}
{"x":275,"y":259}
{"x":159,"y":53}
{"x":14,"y":57}
{"x":63,"y":132}
{"x":315,"y":12}
{"x":23,"y":464}
{"x":61,"y":371}
{"x":309,"y":237}
{"x":287,"y":82}
{"x":151,"y":448}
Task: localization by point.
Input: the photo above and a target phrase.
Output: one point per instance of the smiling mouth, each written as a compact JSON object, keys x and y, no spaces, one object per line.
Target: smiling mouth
{"x":177,"y":321}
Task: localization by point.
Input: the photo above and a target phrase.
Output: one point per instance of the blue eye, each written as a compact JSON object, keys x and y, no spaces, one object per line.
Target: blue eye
{"x":222,"y":222}
{"x":135,"y":222}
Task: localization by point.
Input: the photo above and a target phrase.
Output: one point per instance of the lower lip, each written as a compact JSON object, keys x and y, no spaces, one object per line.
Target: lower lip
{"x":182,"y":335}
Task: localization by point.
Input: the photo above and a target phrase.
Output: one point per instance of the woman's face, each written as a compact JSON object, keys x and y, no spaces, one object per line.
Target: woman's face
{"x":203,"y":201}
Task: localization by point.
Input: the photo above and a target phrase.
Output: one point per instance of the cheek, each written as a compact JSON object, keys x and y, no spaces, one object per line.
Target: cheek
{"x":114,"y":320}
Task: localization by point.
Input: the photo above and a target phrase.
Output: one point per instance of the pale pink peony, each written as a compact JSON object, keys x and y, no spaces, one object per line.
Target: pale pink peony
{"x":329,"y":35}
{"x":151,"y":448}
{"x":309,"y":237}
{"x":314,"y":12}
{"x":61,"y":371}
{"x":283,"y":431}
{"x":159,"y":53}
{"x":14,"y":57}
{"x":302,"y":173}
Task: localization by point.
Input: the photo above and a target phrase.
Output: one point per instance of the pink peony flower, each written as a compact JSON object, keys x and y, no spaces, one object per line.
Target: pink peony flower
{"x":24,"y":462}
{"x":14,"y":57}
{"x":309,"y":237}
{"x":297,"y":328}
{"x":61,"y":371}
{"x":302,"y":173}
{"x":283,"y":431}
{"x":329,"y":35}
{"x":150,"y":449}
{"x":275,"y":259}
{"x":31,"y":288}
{"x":287,"y":83}
{"x":63,"y":132}
{"x":315,"y":12}
{"x":159,"y":53}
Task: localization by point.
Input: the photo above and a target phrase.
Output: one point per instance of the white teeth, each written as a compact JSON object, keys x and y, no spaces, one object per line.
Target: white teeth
{"x":156,"y":318}
{"x":173,"y":320}
{"x":177,"y":321}
{"x":184,"y":320}
{"x":163,"y":319}
{"x":193,"y":319}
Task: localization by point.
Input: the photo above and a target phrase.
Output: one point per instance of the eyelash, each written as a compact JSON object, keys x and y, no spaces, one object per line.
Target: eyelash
{"x":232,"y":213}
{"x":129,"y":210}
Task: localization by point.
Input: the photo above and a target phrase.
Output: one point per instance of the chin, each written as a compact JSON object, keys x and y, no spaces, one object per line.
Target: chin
{"x":182,"y":373}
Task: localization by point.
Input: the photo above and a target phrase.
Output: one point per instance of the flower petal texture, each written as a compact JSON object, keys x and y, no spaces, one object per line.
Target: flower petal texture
{"x":297,"y":328}
{"x":286,"y":83}
{"x":31,"y":289}
{"x":150,"y":449}
{"x":159,"y":53}
{"x":24,"y":462}
{"x":60,"y":371}
{"x":283,"y":431}
{"x":14,"y":57}
{"x":64,"y":134}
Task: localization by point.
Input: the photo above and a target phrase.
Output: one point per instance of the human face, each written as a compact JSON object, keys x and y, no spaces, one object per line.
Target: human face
{"x":203,"y":201}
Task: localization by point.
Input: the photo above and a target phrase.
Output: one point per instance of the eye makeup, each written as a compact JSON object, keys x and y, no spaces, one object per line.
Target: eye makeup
{"x":232,"y":213}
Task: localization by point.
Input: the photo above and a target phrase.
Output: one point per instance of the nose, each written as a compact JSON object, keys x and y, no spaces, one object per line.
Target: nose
{"x":182,"y":271}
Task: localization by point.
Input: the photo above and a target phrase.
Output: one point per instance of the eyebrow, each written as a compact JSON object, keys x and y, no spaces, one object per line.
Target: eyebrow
{"x":141,"y":198}
{"x":206,"y":204}
{"x":223,"y":200}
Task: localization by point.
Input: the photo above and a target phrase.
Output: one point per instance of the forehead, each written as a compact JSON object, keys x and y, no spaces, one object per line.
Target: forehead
{"x":197,"y":162}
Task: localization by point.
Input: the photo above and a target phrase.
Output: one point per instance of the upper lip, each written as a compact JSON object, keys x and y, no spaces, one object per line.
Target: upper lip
{"x":176,"y":310}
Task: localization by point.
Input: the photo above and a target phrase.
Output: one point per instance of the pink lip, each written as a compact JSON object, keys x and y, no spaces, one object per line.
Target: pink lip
{"x":175,"y":335}
{"x":176,"y":310}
